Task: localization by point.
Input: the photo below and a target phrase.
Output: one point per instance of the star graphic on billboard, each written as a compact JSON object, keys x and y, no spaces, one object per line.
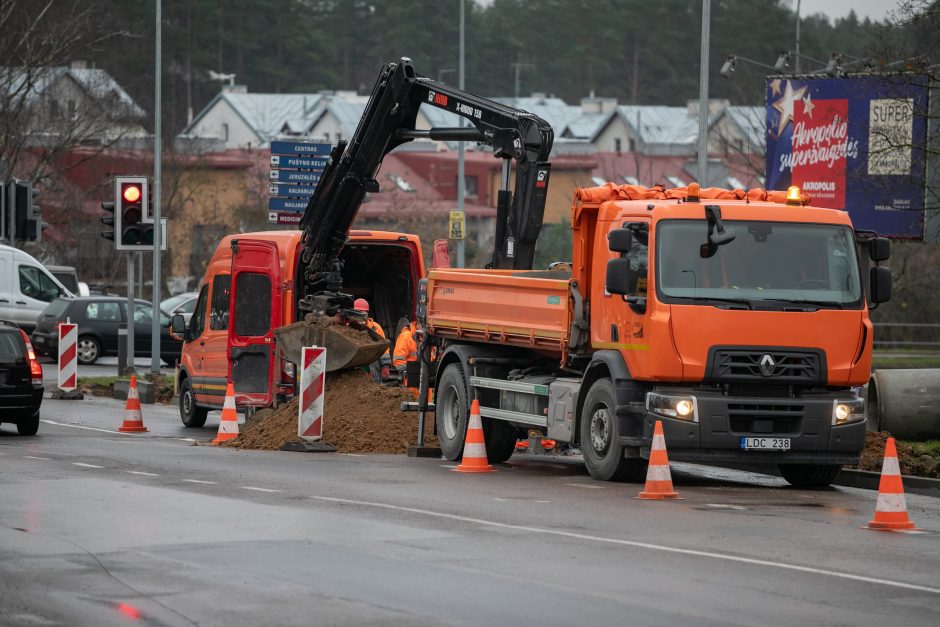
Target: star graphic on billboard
{"x":785,"y":104}
{"x":808,"y":105}
{"x":775,"y":86}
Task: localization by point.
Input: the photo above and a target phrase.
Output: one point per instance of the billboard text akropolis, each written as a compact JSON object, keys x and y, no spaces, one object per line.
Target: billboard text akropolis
{"x":853,"y":143}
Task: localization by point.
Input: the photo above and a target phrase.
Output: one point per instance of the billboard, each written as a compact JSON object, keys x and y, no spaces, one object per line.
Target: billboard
{"x":855,"y":143}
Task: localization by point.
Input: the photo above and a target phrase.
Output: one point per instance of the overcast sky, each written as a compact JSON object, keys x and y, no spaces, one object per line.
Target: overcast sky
{"x":874,"y":9}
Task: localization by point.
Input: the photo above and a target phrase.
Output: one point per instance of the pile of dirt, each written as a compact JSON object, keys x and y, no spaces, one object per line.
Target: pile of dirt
{"x":360,"y":416}
{"x":914,"y":459}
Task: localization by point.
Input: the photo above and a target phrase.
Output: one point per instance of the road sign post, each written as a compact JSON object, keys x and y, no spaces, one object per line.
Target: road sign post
{"x":458,"y":225}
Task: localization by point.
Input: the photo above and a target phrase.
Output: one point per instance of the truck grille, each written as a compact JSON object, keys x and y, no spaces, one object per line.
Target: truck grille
{"x":771,"y":365}
{"x":765,"y":417}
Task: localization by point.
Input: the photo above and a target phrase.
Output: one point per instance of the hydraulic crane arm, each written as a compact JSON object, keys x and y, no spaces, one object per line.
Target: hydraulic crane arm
{"x":389,"y":121}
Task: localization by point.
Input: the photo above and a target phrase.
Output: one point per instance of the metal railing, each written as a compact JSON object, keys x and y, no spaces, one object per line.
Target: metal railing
{"x":921,"y":335}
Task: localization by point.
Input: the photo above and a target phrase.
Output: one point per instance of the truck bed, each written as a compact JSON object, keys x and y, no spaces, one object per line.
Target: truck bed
{"x":524,"y":308}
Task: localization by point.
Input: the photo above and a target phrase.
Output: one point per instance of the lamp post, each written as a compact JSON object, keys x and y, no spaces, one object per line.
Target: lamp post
{"x":461,"y":183}
{"x":703,"y":96}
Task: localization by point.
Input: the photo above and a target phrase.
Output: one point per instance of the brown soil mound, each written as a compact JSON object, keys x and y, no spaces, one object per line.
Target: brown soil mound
{"x":359,"y":417}
{"x":912,"y":461}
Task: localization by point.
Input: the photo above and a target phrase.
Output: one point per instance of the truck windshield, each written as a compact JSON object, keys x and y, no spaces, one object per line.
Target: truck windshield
{"x":769,"y":265}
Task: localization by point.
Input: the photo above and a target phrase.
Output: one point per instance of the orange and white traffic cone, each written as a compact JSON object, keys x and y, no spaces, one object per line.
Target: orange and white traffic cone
{"x":658,"y":477}
{"x":133,"y":418}
{"x":228,"y":425}
{"x":474,"y":448}
{"x":891,"y":509}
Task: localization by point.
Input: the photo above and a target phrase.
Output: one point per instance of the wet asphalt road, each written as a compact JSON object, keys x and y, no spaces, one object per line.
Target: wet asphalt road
{"x":101,"y":528}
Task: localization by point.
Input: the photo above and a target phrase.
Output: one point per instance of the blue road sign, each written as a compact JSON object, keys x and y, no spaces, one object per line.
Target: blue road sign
{"x":300,"y":148}
{"x":283,"y":162}
{"x":290,"y":190}
{"x":284,"y":217}
{"x":287,"y":204}
{"x":297,"y":177}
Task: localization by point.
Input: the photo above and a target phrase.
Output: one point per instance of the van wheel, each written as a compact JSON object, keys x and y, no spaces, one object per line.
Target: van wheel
{"x":88,"y":350}
{"x":28,"y":425}
{"x":451,"y":411}
{"x":191,"y":415}
{"x":600,"y":437}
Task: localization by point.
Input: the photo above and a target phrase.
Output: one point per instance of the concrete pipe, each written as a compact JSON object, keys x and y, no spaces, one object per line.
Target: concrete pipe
{"x":905,"y":403}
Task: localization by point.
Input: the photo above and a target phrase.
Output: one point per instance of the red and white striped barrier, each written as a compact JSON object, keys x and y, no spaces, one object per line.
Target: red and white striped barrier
{"x":312,"y":381}
{"x":68,"y":356}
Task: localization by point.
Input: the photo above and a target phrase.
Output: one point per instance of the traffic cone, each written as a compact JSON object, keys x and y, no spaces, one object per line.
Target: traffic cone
{"x":658,"y":477}
{"x":133,"y":418}
{"x":891,"y":509}
{"x":474,"y":448}
{"x":228,"y":425}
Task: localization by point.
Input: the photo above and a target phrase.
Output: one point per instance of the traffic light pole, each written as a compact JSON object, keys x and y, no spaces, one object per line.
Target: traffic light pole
{"x":131,"y":326}
{"x":157,"y":224}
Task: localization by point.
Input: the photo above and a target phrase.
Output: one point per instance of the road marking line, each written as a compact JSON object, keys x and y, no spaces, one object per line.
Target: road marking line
{"x":45,"y":459}
{"x":199,"y":481}
{"x":145,"y":474}
{"x":248,"y":487}
{"x":62,"y":424}
{"x":585,"y":486}
{"x":543,"y":501}
{"x":86,"y":465}
{"x":639,"y":545}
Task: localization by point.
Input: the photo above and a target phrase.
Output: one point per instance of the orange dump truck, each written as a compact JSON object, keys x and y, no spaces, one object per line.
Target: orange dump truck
{"x":739,"y":320}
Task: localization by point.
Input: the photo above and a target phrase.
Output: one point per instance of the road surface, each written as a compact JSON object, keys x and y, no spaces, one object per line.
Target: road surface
{"x":101,"y":528}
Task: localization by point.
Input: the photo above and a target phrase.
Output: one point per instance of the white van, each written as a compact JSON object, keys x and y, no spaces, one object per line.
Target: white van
{"x":26,"y":287}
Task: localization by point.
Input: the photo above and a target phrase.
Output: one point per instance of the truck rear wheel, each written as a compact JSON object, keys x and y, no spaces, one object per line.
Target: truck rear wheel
{"x":810,"y":475}
{"x":452,"y":409}
{"x":600,"y":437}
{"x":500,"y":440}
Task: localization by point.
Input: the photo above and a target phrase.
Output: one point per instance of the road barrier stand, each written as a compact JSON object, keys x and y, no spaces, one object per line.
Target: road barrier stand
{"x":228,"y":425}
{"x":658,"y":478}
{"x":891,"y":508}
{"x":67,"y":363}
{"x":133,"y":418}
{"x":474,"y":448}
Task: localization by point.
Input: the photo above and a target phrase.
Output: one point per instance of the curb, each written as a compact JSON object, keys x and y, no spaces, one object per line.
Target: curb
{"x":867,"y":480}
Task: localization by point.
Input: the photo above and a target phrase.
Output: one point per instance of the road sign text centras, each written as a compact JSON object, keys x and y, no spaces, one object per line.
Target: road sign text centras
{"x":458,"y":225}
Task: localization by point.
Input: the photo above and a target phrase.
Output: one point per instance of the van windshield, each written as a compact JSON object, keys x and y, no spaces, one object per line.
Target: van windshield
{"x":769,"y":265}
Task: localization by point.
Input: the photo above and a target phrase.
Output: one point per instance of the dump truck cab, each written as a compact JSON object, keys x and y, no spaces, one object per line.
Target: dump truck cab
{"x":252,"y":286}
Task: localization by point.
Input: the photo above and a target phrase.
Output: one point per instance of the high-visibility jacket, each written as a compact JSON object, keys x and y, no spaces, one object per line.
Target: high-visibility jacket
{"x":406,"y":348}
{"x":375,"y":326}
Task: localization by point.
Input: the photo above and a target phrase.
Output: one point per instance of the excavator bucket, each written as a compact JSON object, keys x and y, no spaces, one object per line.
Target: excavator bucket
{"x":346,"y":346}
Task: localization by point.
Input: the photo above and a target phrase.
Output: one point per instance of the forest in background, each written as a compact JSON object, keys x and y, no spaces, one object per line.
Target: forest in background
{"x":635,"y":50}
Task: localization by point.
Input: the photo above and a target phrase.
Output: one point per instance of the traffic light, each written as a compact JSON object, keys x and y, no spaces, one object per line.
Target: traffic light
{"x":27,"y":223}
{"x":108,"y":220}
{"x":131,"y":196}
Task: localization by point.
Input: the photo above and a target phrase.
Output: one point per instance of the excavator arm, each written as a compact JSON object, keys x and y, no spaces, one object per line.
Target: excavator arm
{"x":389,"y":121}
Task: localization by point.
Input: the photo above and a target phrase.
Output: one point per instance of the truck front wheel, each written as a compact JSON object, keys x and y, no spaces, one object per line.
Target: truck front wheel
{"x":810,"y":475}
{"x":451,"y":411}
{"x":600,"y":437}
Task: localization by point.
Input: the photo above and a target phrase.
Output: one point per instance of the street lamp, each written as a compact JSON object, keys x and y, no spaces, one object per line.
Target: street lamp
{"x":727,"y":69}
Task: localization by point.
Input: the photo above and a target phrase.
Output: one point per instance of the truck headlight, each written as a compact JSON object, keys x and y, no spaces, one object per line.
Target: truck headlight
{"x":848,"y":411}
{"x":681,"y":407}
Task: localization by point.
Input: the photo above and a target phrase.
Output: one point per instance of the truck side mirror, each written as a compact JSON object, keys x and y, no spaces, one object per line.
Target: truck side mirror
{"x":879,"y":249}
{"x":178,"y":327}
{"x":618,"y":275}
{"x":879,"y":279}
{"x":620,"y":240}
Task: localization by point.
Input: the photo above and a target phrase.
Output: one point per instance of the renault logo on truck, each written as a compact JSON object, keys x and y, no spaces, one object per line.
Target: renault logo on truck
{"x":767,"y":365}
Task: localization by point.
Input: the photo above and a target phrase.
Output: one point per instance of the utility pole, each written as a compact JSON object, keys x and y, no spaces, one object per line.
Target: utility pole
{"x":796,"y":61}
{"x":517,"y":67}
{"x":461,"y":183}
{"x":703,"y":97}
{"x":157,"y":226}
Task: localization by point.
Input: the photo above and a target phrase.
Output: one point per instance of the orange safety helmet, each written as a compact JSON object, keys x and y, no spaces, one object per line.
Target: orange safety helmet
{"x":361,"y":304}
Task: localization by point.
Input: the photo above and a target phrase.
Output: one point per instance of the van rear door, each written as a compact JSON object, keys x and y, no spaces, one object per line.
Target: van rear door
{"x":254,"y":313}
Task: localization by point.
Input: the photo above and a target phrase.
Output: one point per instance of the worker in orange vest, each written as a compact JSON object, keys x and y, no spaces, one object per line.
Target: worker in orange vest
{"x":406,"y":350}
{"x":380,"y":370}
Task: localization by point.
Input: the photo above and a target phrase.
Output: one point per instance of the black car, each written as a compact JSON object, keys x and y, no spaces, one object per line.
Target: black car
{"x":20,"y":380}
{"x":98,"y":319}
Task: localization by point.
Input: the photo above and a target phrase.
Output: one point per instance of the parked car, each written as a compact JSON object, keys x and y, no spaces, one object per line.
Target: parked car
{"x":20,"y":380}
{"x":98,"y":319}
{"x":26,"y":287}
{"x":183,"y":303}
{"x":69,"y":278}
